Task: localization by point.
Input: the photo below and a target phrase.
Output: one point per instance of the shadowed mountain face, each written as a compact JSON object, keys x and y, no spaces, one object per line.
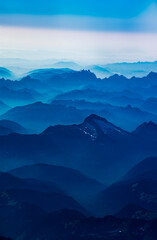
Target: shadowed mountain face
{"x":72,"y":181}
{"x":137,"y":187}
{"x":46,"y":195}
{"x":3,"y":107}
{"x":147,"y":169}
{"x":8,"y":127}
{"x":48,"y":201}
{"x":9,"y":181}
{"x":142,"y":193}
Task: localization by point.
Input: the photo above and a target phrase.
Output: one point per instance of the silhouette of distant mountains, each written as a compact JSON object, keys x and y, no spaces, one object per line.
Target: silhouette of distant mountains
{"x":146,"y":169}
{"x":5,"y":73}
{"x":70,"y":180}
{"x":38,"y":116}
{"x":3,"y":107}
{"x":46,"y":195}
{"x":79,"y":147}
{"x":13,"y":98}
{"x":8,"y":127}
{"x":137,"y":187}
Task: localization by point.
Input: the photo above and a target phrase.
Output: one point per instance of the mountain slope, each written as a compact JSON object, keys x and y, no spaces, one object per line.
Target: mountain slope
{"x":39,"y":116}
{"x":142,"y":193}
{"x":137,"y":187}
{"x":3,"y":108}
{"x":5,"y":73}
{"x":8,"y":181}
{"x":8,"y":127}
{"x":13,"y":212}
{"x":47,"y":201}
{"x":146,"y":169}
{"x":46,"y":195}
{"x":150,"y":105}
{"x":15,"y":97}
{"x":72,"y":181}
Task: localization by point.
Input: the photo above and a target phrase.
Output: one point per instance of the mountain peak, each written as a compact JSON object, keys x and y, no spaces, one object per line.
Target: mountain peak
{"x":94,"y":117}
{"x":152,"y":75}
{"x":148,"y":125}
{"x":146,"y":128}
{"x":95,"y":126}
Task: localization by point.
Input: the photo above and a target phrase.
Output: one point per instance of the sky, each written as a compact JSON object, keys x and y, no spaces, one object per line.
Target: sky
{"x":85,"y":31}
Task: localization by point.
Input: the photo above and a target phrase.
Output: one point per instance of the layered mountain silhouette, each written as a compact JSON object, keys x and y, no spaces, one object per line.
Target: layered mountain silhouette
{"x":8,"y":127}
{"x":38,"y":116}
{"x":71,"y":146}
{"x":146,"y":130}
{"x":71,"y":181}
{"x":3,"y":107}
{"x":146,"y":169}
{"x":46,"y":195}
{"x":9,"y":181}
{"x":138,"y":187}
{"x":150,"y":105}
{"x":4,"y":72}
{"x":79,"y":147}
{"x":13,"y":97}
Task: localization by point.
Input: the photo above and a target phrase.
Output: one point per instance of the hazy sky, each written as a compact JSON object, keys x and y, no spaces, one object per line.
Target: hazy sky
{"x":85,"y":31}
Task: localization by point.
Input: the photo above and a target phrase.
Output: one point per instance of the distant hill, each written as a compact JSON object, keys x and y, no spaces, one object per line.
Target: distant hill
{"x":138,"y":69}
{"x":137,"y":187}
{"x":4,"y":72}
{"x":47,"y":201}
{"x":146,"y":130}
{"x":72,"y":181}
{"x":45,"y":74}
{"x":32,"y":191}
{"x":38,"y":116}
{"x":146,"y":169}
{"x":100,"y":71}
{"x":13,"y":97}
{"x":9,"y":181}
{"x":142,"y":193}
{"x":4,"y":108}
{"x":70,"y":65}
{"x":8,"y":127}
{"x":150,"y":105}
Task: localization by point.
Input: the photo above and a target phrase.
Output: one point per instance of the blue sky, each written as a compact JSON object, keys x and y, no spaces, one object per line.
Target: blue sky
{"x":99,"y":15}
{"x":80,"y":30}
{"x":101,"y":8}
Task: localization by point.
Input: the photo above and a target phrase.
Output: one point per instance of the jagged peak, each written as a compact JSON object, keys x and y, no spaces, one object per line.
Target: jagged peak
{"x":94,"y":117}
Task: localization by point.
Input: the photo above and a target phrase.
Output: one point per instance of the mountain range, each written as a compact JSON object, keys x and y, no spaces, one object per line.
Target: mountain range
{"x":78,"y":152}
{"x":79,"y":147}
